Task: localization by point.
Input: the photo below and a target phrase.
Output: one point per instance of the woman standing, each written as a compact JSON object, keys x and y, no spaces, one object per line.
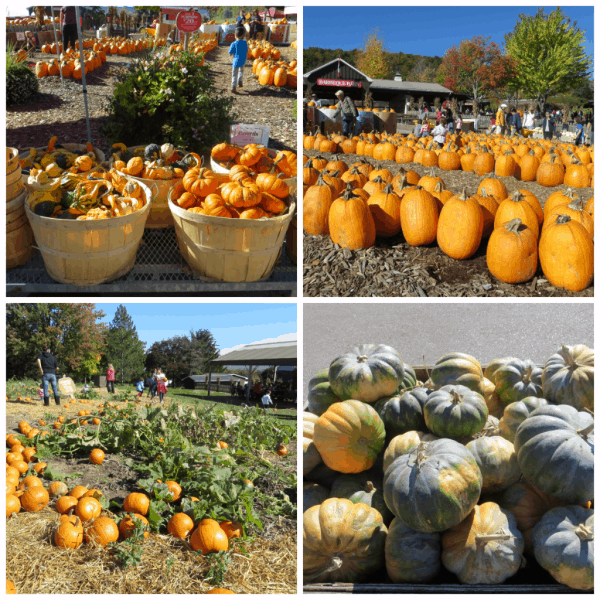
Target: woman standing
{"x":256,"y":25}
{"x":110,"y":379}
{"x":68,"y":23}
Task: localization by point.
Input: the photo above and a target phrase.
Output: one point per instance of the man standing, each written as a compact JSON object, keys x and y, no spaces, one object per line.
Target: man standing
{"x":68,"y":23}
{"x":548,"y":126}
{"x":348,"y":110}
{"x":48,"y":366}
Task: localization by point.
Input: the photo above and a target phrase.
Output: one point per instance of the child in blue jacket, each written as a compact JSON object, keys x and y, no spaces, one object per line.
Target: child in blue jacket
{"x":239,"y":49}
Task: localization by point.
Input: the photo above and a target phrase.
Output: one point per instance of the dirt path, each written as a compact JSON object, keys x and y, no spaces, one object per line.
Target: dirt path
{"x":59,"y":109}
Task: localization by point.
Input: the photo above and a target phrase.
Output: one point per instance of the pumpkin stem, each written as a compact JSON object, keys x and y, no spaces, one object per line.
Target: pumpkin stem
{"x":362,"y":358}
{"x":456,"y":398}
{"x":562,"y":219}
{"x":566,"y":351}
{"x":586,"y":430}
{"x":513,"y":226}
{"x":369,"y":487}
{"x":528,"y":371}
{"x":584,"y":533}
{"x":335,"y":563}
{"x":492,"y":537}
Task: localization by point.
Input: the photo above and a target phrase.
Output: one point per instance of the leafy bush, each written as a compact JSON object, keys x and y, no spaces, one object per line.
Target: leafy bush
{"x":168,"y":99}
{"x":21,"y":84}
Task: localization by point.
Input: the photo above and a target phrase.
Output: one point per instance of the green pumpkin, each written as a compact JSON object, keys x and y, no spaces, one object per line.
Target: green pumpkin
{"x":497,"y":461}
{"x":568,"y":377}
{"x":492,"y":367}
{"x":368,"y":373}
{"x":434,"y":486}
{"x":563,"y":542}
{"x":365,"y":488}
{"x":516,"y":413}
{"x":403,"y":443}
{"x":518,"y":379}
{"x":403,"y":413}
{"x":412,"y":556}
{"x":320,"y":394}
{"x":313,"y":494}
{"x":61,"y":161}
{"x":45,"y":208}
{"x":409,"y":381}
{"x":555,"y":450}
{"x":457,"y":368}
{"x":455,"y":411}
{"x":310,"y":456}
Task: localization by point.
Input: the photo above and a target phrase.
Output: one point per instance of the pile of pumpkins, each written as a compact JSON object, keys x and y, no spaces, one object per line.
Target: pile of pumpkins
{"x":278,"y":73}
{"x":70,"y":64}
{"x":83,"y":516}
{"x":356,"y":203}
{"x":254,"y":188}
{"x":546,"y":162}
{"x":472,"y":470}
{"x":197,"y":47}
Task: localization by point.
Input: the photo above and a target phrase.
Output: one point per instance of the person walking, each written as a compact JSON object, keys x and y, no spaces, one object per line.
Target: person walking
{"x":48,"y":366}
{"x":346,"y":107}
{"x":68,"y":25}
{"x":110,"y":379}
{"x":266,"y":399}
{"x":548,"y":126}
{"x":239,"y":49}
{"x":161,"y":385}
{"x":149,"y":385}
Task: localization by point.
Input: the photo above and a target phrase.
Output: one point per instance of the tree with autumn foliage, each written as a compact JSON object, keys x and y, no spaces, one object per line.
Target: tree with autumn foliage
{"x":475,"y":67}
{"x":72,"y":331}
{"x":374,"y":60}
{"x":549,"y":55}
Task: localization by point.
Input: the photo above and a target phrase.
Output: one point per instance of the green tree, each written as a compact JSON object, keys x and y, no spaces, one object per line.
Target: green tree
{"x":203,"y":349}
{"x":548,"y":53}
{"x":374,"y":60}
{"x":72,"y":331}
{"x":124,"y":350}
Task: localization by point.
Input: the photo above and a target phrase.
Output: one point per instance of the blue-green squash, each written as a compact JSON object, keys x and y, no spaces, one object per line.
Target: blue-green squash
{"x":412,"y":556}
{"x":368,"y":373}
{"x":555,"y":450}
{"x":518,"y":379}
{"x":434,"y":486}
{"x":515,"y":413}
{"x":365,"y":488}
{"x":402,"y":413}
{"x":320,"y":394}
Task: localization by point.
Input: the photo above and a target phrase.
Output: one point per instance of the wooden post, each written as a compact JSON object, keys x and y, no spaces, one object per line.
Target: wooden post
{"x":218,"y":384}
{"x":208,"y":382}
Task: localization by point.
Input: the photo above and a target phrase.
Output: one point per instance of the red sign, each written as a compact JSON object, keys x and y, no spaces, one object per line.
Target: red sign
{"x":339,"y":83}
{"x":188,"y":21}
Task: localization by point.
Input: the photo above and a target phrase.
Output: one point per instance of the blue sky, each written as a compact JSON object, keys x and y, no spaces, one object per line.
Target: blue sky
{"x":428,"y":31}
{"x":231,"y":324}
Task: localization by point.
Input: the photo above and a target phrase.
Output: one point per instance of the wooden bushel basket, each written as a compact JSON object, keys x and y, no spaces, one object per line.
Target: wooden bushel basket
{"x":89,"y":252}
{"x":232,"y":250}
{"x":14,"y":182}
{"x":19,"y":236}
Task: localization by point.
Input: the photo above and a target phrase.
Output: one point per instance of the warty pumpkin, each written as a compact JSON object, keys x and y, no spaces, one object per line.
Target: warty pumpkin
{"x":342,"y":541}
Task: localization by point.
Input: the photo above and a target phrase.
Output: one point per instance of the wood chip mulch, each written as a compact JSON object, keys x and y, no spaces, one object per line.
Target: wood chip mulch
{"x":394,"y":268}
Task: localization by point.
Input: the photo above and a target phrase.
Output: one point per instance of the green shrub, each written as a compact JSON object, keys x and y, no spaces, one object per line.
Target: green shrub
{"x":21,"y":84}
{"x":168,"y":99}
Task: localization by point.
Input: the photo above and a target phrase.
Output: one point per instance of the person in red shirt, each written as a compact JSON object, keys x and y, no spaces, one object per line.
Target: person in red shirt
{"x":110,"y":379}
{"x":68,"y":24}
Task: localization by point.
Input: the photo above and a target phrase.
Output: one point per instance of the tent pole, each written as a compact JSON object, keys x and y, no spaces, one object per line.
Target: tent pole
{"x":62,"y":81}
{"x":84,"y":86}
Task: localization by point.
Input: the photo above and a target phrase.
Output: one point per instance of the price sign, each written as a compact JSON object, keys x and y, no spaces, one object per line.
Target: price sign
{"x":188,"y":21}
